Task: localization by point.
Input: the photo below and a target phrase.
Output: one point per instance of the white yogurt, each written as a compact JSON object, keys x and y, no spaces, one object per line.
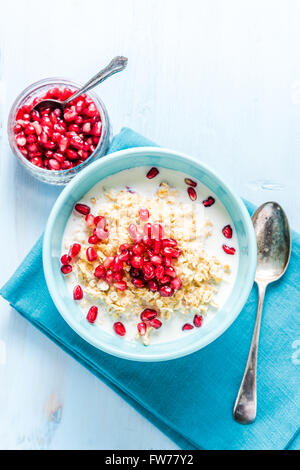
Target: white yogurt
{"x":134,"y":179}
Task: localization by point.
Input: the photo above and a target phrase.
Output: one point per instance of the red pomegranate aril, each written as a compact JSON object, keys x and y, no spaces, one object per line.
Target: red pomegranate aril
{"x":176,"y":283}
{"x":134,"y":272}
{"x":37,"y":161}
{"x":124,"y":255}
{"x":144,"y":213}
{"x":122,"y":285}
{"x":158,"y":231}
{"x":169,"y":251}
{"x":101,"y":233}
{"x":66,"y":269}
{"x":147,"y":241}
{"x":152,"y":173}
{"x":54,"y":164}
{"x":142,"y":328}
{"x":153,"y":285}
{"x":209,"y":201}
{"x":21,"y":141}
{"x":109,"y":276}
{"x":190,"y":182}
{"x":89,"y":220}
{"x":124,"y":247}
{"x":198,"y":319}
{"x":148,"y":230}
{"x":159,"y":272}
{"x":97,"y":127}
{"x":119,"y":328}
{"x":59,"y":157}
{"x":70,"y":114}
{"x":82,"y":209}
{"x":91,"y":254}
{"x":137,"y":261}
{"x":156,"y":259}
{"x":117,"y":265}
{"x":93,"y":239}
{"x":72,"y":155}
{"x":165,"y":279}
{"x":108,"y":262}
{"x":148,"y":314}
{"x":87,"y":128}
{"x":100,"y":221}
{"x":74,"y":128}
{"x":31,"y":139}
{"x":192,"y":193}
{"x":227,"y":231}
{"x":167,"y":261}
{"x":156,"y":246}
{"x":187,"y":326}
{"x":66,"y":165}
{"x":228,"y":249}
{"x":92,"y":314}
{"x":63,"y":144}
{"x":149,"y":271}
{"x":132,"y":229}
{"x":155,"y":323}
{"x":170,"y":271}
{"x":74,"y":250}
{"x":138,"y":249}
{"x":65,"y":259}
{"x":137,"y":282}
{"x":169,"y":242}
{"x":77,"y":293}
{"x":118,"y":276}
{"x":100,"y":272}
{"x":166,"y":291}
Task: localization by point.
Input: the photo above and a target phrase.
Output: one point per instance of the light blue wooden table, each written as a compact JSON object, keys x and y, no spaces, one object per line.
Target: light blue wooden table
{"x":217,"y":80}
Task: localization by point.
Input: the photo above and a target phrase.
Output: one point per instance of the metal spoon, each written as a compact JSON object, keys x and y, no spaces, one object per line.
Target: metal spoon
{"x":273,"y":255}
{"x":116,"y":65}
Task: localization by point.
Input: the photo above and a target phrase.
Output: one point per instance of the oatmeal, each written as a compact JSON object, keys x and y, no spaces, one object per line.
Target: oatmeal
{"x":148,"y":254}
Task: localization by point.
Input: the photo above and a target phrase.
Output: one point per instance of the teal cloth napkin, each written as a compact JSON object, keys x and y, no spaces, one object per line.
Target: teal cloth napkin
{"x":190,"y":399}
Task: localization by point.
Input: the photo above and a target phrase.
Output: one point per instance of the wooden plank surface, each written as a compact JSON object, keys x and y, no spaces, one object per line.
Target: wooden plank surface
{"x":217,"y":80}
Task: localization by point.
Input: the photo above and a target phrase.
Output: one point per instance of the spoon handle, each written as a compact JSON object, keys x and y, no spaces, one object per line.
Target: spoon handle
{"x":244,"y":410}
{"x":116,"y":65}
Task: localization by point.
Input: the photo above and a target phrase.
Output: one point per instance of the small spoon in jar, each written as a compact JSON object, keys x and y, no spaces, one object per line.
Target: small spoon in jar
{"x":116,"y":65}
{"x":273,"y":254}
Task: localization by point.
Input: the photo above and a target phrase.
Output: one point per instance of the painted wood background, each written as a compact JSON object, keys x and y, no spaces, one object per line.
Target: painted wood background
{"x":219,"y":80}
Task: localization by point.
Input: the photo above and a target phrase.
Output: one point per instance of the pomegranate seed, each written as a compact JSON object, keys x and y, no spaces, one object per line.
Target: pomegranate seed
{"x":156,"y":323}
{"x":176,"y":283}
{"x":124,"y":255}
{"x":148,"y":230}
{"x":167,"y":261}
{"x":209,"y":201}
{"x":54,"y":164}
{"x":124,"y":247}
{"x":156,"y":246}
{"x":149,"y":271}
{"x":169,"y":251}
{"x":87,"y":128}
{"x":137,"y":261}
{"x":100,"y":272}
{"x":156,"y":259}
{"x":135,"y":272}
{"x":118,"y":276}
{"x":152,"y":173}
{"x":65,"y":259}
{"x":192,"y":193}
{"x":229,"y":250}
{"x":153,"y":285}
{"x":159,"y":272}
{"x":91,"y":254}
{"x":118,"y":264}
{"x":93,"y":240}
{"x":66,"y":269}
{"x":190,"y":182}
{"x":158,"y":231}
{"x":142,"y":327}
{"x":166,"y":291}
{"x":169,"y":242}
{"x":21,"y":141}
{"x":77,"y":293}
{"x":74,"y":250}
{"x":227,"y":231}
{"x":89,"y":220}
{"x":187,"y":326}
{"x":92,"y":314}
{"x":59,"y":157}
{"x":132,"y":229}
{"x":100,"y":221}
{"x":138,"y":282}
{"x":170,"y":271}
{"x":198,"y":319}
{"x":101,"y":233}
{"x":31,"y":139}
{"x":72,"y":155}
{"x":165,"y":279}
{"x":148,"y":314}
{"x":97,"y":127}
{"x":37,"y":161}
{"x":109,"y":276}
{"x":82,"y":209}
{"x":122,"y":285}
{"x":108,"y":262}
{"x":138,"y":249}
{"x":119,"y":328}
{"x":144,"y":213}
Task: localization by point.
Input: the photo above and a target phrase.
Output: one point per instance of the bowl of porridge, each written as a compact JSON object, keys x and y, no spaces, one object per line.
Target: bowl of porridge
{"x":149,"y":255}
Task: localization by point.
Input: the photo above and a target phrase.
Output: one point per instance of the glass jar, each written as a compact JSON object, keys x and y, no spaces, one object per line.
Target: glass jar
{"x":59,"y":177}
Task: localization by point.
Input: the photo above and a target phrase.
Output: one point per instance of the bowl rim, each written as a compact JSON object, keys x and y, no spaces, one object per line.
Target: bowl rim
{"x":135,"y":356}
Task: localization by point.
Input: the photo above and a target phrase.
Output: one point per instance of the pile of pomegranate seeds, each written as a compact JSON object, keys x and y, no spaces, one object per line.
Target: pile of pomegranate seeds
{"x":66,"y":259}
{"x":227,"y":232}
{"x":56,"y":141}
{"x":148,"y":317}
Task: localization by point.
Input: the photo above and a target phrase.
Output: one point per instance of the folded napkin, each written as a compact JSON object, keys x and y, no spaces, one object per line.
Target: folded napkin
{"x":190,"y":399}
